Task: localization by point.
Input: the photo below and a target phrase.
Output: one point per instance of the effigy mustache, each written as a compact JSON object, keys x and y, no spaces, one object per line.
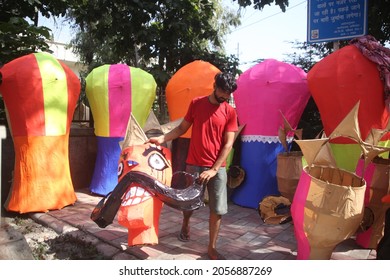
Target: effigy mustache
{"x":186,"y":197}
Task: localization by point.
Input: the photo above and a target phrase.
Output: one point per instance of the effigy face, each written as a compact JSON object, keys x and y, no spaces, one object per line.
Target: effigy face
{"x":140,"y":210}
{"x":148,"y":158}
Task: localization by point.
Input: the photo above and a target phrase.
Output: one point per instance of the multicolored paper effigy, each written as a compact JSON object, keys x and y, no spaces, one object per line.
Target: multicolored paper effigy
{"x":140,"y":210}
{"x":328,"y":205}
{"x":337,"y":83}
{"x":40,"y":94}
{"x":377,"y":176}
{"x":146,"y":169}
{"x":327,"y":209}
{"x":375,"y":171}
{"x":264,"y":92}
{"x":145,"y":183}
{"x":114,"y":92}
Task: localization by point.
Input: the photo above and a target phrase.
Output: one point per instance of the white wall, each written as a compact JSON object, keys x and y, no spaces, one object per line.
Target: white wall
{"x":65,"y":55}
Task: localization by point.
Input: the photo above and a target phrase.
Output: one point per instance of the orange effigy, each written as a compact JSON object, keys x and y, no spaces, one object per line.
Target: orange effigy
{"x":40,"y":94}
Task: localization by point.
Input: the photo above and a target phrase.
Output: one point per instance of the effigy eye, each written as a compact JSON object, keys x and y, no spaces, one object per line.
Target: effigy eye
{"x":156,"y":161}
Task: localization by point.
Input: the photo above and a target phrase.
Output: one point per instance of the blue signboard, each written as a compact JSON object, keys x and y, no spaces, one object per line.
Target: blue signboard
{"x":332,"y":20}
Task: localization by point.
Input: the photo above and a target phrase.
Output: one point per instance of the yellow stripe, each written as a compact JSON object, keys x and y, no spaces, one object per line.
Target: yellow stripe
{"x":143,"y":88}
{"x":55,"y":94}
{"x":97,"y":93}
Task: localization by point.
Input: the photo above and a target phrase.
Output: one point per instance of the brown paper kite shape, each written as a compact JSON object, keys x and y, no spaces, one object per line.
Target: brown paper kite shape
{"x":371,"y":151}
{"x":375,"y":135}
{"x":317,"y":152}
{"x":134,"y":134}
{"x":349,"y":126}
{"x":285,"y":130}
{"x":152,"y":123}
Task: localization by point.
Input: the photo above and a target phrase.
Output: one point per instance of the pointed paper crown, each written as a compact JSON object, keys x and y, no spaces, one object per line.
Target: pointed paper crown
{"x":135,"y":135}
{"x":318,"y":151}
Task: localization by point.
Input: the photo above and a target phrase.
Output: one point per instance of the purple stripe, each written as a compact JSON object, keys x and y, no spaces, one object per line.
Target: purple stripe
{"x":119,"y":96}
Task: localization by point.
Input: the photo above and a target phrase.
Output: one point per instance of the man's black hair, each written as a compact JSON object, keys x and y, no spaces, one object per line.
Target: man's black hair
{"x":226,"y":82}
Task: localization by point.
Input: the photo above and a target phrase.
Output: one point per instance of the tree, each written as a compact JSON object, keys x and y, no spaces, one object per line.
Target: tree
{"x":306,"y":55}
{"x":260,"y":4}
{"x":379,"y":20}
{"x":156,"y":36}
{"x":19,"y":30}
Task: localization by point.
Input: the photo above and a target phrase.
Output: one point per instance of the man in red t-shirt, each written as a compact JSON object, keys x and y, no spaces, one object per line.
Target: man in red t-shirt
{"x":214,"y":123}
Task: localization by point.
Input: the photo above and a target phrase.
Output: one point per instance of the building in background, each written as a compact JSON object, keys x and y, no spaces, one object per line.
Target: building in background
{"x":64,"y":53}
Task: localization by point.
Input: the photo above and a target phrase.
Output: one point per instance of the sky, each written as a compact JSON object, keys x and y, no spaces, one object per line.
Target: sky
{"x":266,"y":33}
{"x":262,"y":33}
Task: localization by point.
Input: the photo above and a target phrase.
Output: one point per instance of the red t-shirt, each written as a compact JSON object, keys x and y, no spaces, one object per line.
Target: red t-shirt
{"x":209,"y":123}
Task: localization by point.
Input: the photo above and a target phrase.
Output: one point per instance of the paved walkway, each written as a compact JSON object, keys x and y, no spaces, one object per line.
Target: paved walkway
{"x":243,"y":235}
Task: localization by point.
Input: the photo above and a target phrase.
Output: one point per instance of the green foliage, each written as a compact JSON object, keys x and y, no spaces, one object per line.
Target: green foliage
{"x":18,"y":38}
{"x":260,"y":4}
{"x":306,"y":55}
{"x":379,"y":20}
{"x":157,"y":37}
{"x":19,"y":30}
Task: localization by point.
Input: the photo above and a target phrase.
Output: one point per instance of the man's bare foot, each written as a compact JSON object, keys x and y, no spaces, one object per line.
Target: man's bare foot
{"x":214,"y":255}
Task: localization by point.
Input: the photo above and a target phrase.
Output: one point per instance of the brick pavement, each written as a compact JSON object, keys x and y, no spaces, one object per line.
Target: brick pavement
{"x":243,"y":236}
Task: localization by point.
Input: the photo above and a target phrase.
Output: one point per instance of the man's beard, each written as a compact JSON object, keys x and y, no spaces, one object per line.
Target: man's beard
{"x":219,"y":99}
